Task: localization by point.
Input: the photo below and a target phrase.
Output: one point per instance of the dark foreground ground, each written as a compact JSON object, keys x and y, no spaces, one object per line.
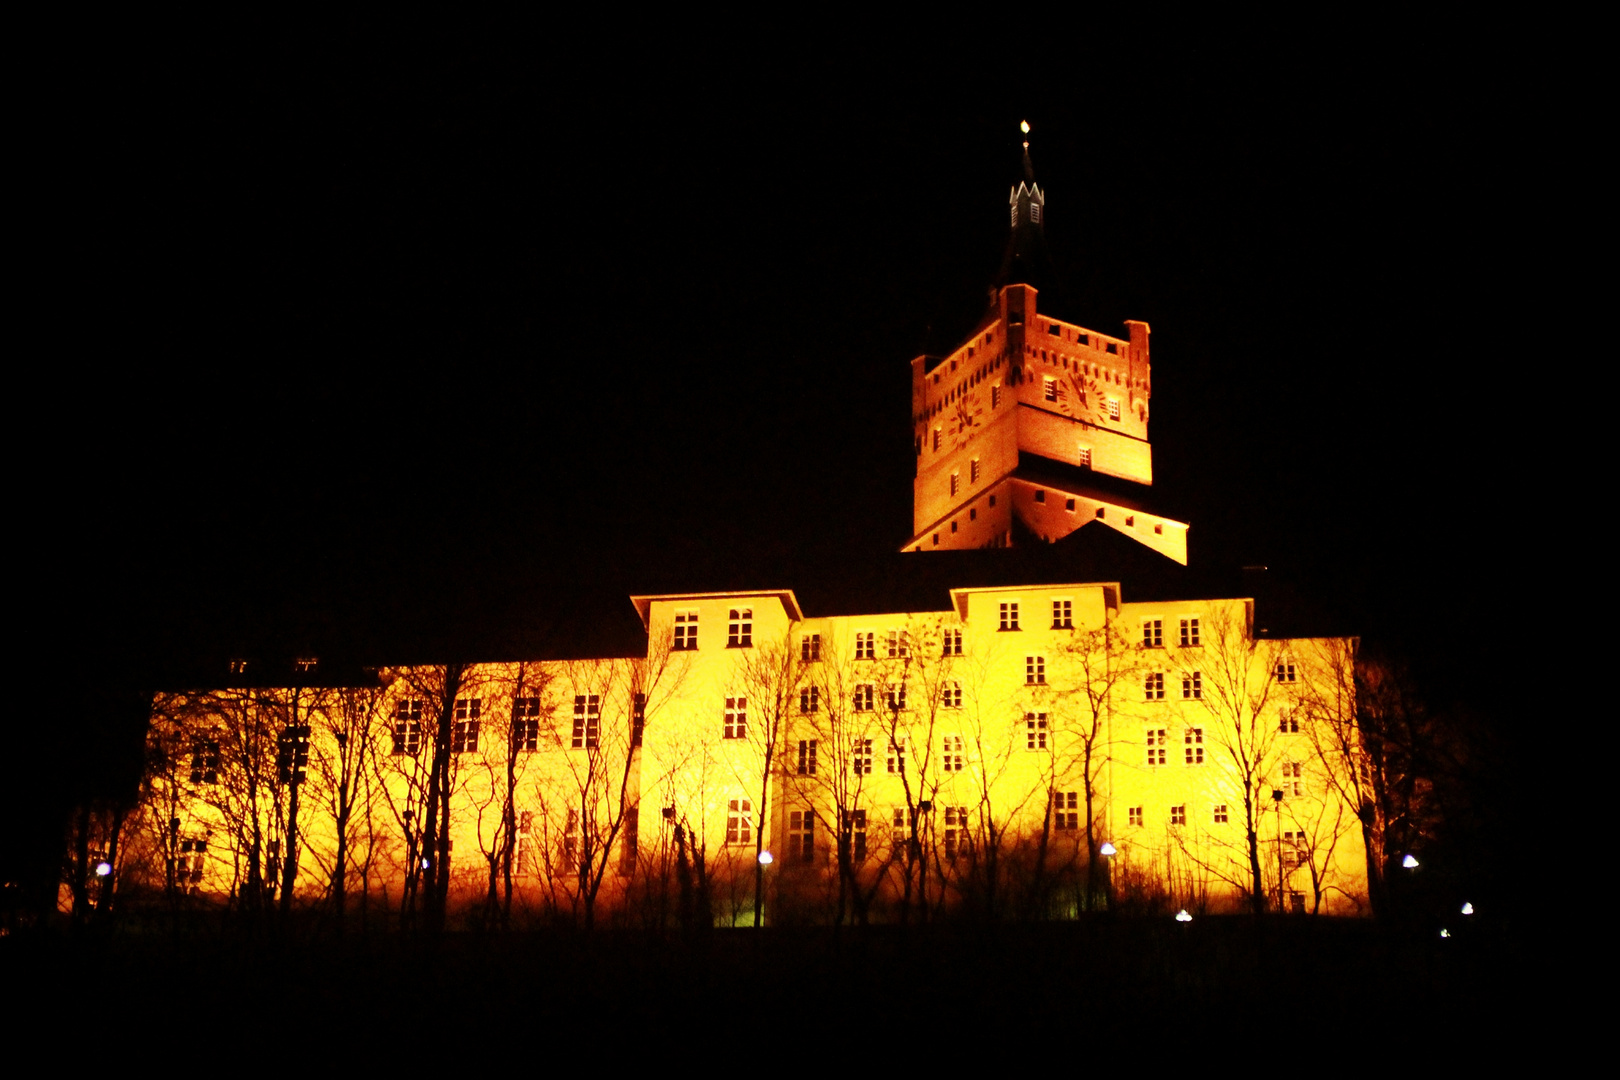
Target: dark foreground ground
{"x":1312,"y":992}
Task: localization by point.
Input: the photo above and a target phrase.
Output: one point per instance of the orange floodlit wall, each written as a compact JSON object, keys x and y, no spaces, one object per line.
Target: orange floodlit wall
{"x":1026,"y":382}
{"x":979,"y":755}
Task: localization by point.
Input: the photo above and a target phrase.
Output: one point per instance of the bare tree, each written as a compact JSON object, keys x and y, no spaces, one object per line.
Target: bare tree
{"x":999,"y":729}
{"x":441,"y":687}
{"x":599,"y":786}
{"x":345,"y":736}
{"x":1234,"y":681}
{"x":1101,"y":666}
{"x":831,"y":769}
{"x":770,"y":677}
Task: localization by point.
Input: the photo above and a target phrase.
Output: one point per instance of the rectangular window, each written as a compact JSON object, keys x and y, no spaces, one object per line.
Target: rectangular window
{"x":936,"y":438}
{"x":1189,"y":633}
{"x":736,"y":718}
{"x":525,"y":734}
{"x":1285,"y":673}
{"x":523,"y":851}
{"x":464,"y":735}
{"x":686,"y":624}
{"x":587,"y":722}
{"x":1113,"y":408}
{"x":860,"y":760}
{"x":1153,"y":633}
{"x":899,"y":645}
{"x":740,"y":822}
{"x":1083,"y":457}
{"x":1066,"y":810}
{"x":903,"y":828}
{"x":865,"y":697}
{"x":953,"y":643}
{"x":1192,"y":685}
{"x":188,"y":865}
{"x":855,"y":834}
{"x":1035,"y":670}
{"x":810,"y":649}
{"x":950,"y":695}
{"x":638,"y":718}
{"x":1220,"y":814}
{"x":570,"y":840}
{"x":1294,"y":848}
{"x":1194,"y":739}
{"x":956,"y":482}
{"x":1289,"y":724}
{"x":292,"y":757}
{"x":1040,"y":496}
{"x":740,"y":628}
{"x":205,"y":761}
{"x":973,"y":471}
{"x":1063,"y":614}
{"x":1009,"y":616}
{"x":1154,"y":686}
{"x":995,"y":396}
{"x":865,"y":645}
{"x":956,"y":831}
{"x":896,"y":761}
{"x":1156,"y":752}
{"x":894,"y":697}
{"x":526,"y":723}
{"x":952,"y":757}
{"x":810,"y":699}
{"x":1035,"y":731}
{"x":1293,"y":782}
{"x":802,"y":836}
{"x":1178,"y":815}
{"x":1049,"y":387}
{"x":1136,"y":815}
{"x":807,"y":757}
{"x":407,"y":738}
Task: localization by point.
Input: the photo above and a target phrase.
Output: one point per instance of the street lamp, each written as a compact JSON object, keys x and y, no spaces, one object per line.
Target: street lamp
{"x":1410,"y":862}
{"x":105,"y":868}
{"x":1277,"y":798}
{"x":765,"y":858}
{"x":1107,"y":848}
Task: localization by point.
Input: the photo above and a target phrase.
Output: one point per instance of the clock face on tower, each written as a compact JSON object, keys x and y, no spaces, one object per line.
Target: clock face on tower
{"x":968,"y":412}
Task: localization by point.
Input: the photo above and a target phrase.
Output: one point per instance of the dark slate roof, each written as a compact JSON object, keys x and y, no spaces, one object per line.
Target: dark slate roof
{"x":1077,"y":481}
{"x":513,"y":620}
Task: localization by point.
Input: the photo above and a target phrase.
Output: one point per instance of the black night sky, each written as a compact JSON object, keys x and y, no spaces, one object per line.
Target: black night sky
{"x":402,"y":341}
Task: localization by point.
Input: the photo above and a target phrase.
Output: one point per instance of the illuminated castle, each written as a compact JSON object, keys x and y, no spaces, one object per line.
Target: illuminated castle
{"x":1034,"y":742}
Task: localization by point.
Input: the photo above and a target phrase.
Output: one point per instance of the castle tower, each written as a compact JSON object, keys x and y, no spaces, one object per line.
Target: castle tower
{"x":1034,"y":426}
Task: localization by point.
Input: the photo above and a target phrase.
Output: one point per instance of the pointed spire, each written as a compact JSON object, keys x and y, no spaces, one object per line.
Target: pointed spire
{"x":1026,"y":261}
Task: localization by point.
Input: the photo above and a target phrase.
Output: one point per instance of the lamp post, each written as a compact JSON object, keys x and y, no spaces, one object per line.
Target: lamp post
{"x":1277,"y":798}
{"x":1108,"y":851}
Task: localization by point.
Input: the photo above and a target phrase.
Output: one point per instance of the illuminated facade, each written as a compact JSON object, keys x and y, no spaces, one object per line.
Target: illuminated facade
{"x":1032,"y":748}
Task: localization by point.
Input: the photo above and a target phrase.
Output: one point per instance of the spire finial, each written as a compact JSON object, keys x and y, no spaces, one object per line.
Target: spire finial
{"x":1023,"y":125}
